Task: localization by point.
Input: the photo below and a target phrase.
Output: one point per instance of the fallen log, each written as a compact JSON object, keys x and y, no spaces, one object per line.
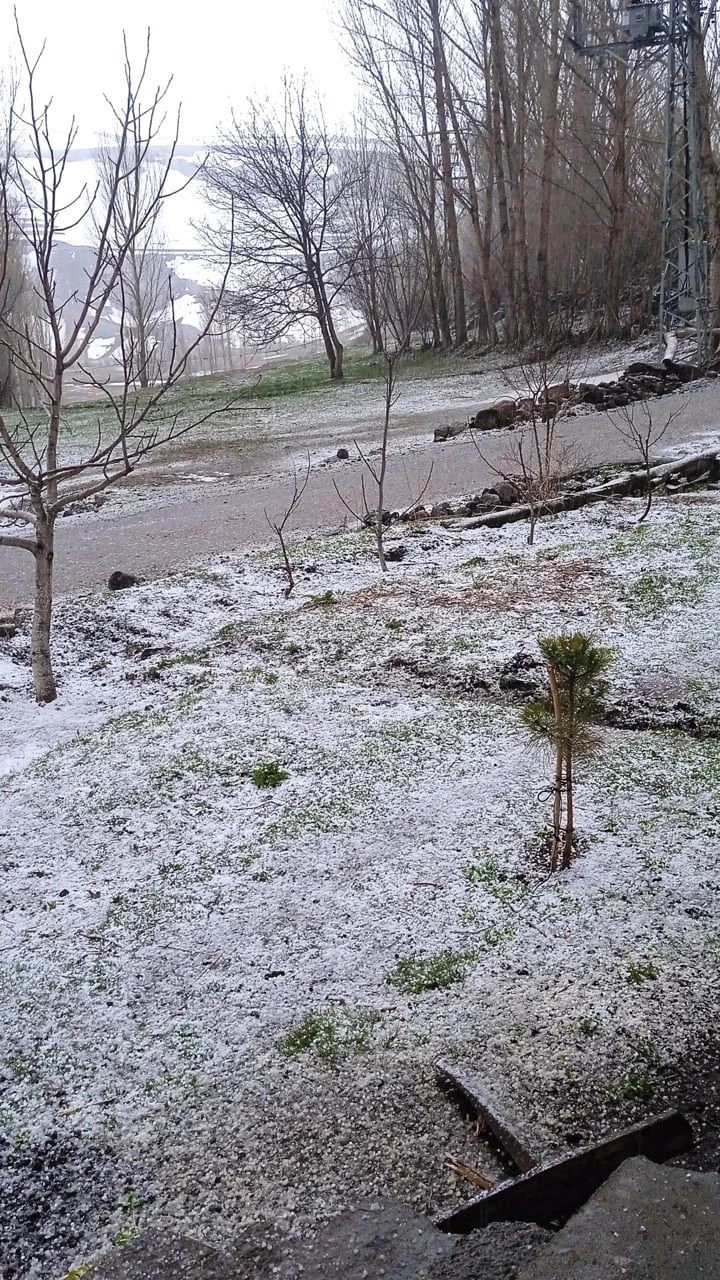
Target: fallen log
{"x":625,"y":485}
{"x":557,"y":1189}
{"x":485,"y":1110}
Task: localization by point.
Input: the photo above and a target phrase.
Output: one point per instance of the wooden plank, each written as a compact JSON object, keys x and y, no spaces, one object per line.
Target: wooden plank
{"x":557,"y":1189}
{"x":454,"y":1080}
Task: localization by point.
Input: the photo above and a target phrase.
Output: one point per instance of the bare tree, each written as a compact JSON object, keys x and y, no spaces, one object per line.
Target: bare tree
{"x":387,"y":279}
{"x":37,"y":464}
{"x":144,"y":274}
{"x":275,"y":173}
{"x":537,"y":459}
{"x":636,"y":425}
{"x":279,"y":523}
{"x":368,"y":514}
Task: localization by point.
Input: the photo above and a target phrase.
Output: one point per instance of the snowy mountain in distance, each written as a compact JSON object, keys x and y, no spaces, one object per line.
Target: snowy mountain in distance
{"x":181,"y":212}
{"x":180,"y":248}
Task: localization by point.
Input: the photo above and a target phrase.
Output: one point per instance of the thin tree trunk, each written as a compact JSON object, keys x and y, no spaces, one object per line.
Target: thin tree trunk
{"x":618,"y":202}
{"x":558,"y":785}
{"x":549,"y":128}
{"x":451,"y":226}
{"x":709,"y":169}
{"x":43,"y":677}
{"x":569,"y":808}
{"x":506,"y":239}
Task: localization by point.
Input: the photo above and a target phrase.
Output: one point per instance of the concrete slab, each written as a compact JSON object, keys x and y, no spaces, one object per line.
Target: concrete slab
{"x":387,"y":1241}
{"x":159,"y":1255}
{"x":647,"y":1222}
{"x":377,"y":1241}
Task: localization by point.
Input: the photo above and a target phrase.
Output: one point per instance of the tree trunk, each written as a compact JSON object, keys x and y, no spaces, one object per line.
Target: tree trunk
{"x":506,"y":239}
{"x":709,"y":171}
{"x":549,"y":128}
{"x":569,"y":808}
{"x":43,"y":677}
{"x":446,"y":168}
{"x":558,"y":785}
{"x":618,"y":202}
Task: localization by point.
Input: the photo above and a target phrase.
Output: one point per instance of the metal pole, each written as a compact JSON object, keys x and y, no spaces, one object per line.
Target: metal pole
{"x":697,"y":232}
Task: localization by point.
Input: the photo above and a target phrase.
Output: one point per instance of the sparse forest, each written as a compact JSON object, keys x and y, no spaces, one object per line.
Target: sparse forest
{"x":496,"y":187}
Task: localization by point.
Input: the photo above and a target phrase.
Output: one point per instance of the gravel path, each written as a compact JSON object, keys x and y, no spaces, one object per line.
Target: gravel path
{"x":151,"y":531}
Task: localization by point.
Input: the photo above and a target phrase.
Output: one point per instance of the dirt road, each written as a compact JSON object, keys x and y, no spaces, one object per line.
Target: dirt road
{"x":150,"y":532}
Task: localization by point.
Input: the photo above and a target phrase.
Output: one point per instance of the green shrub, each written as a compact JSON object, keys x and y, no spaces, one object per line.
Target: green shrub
{"x":268,"y":774}
{"x":634,"y":1087}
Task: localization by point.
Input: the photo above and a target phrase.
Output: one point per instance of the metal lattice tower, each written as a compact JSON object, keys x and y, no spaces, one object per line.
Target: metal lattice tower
{"x":674,"y":27}
{"x":684,"y":279}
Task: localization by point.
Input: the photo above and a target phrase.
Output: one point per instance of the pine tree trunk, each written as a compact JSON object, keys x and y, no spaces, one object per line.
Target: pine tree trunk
{"x":43,"y":677}
{"x":569,"y":808}
{"x":558,"y":785}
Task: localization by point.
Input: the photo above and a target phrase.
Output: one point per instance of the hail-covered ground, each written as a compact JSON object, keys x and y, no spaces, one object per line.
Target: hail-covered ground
{"x":265,"y":859}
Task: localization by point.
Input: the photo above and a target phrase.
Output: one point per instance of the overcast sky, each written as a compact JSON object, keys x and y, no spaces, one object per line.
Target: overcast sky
{"x":217,"y":51}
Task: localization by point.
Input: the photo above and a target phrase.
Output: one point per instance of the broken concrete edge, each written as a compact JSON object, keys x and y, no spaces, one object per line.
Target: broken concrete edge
{"x":454,"y":1080}
{"x":645,"y":1221}
{"x":559,"y":1187}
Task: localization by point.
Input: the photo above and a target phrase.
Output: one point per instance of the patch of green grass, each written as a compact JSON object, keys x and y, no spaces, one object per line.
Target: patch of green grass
{"x":496,"y":934}
{"x":180,"y":660}
{"x":268,"y":774}
{"x":394,"y":624}
{"x":491,"y":876}
{"x":633,"y":1087}
{"x":641,"y":971}
{"x":417,"y":974}
{"x":323,"y":601}
{"x":126,"y":1235}
{"x":231,"y":631}
{"x":587,"y":1026}
{"x":332,"y":1035}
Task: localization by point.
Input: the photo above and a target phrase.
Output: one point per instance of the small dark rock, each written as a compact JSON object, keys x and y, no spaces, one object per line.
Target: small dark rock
{"x":119,"y":581}
{"x":342,"y":455}
{"x":395,"y":554}
{"x":522,"y":675}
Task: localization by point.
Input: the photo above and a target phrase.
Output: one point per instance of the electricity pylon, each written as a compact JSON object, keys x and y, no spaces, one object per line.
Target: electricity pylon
{"x":673,"y":27}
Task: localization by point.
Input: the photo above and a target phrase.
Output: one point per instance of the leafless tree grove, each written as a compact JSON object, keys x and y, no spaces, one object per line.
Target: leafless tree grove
{"x":499,"y":186}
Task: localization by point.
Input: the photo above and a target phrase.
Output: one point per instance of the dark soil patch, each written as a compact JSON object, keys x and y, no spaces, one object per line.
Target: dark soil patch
{"x":55,"y":1194}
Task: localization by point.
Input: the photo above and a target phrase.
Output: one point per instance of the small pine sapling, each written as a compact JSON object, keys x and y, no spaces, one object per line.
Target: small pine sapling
{"x":566,"y":721}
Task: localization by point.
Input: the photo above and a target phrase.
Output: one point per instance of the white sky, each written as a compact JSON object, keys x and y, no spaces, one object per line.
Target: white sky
{"x":218,"y":51}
